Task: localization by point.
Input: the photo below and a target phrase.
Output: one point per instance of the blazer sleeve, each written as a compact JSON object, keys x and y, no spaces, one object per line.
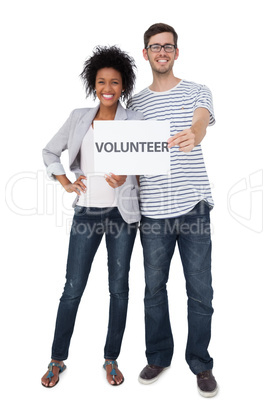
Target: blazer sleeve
{"x":52,"y":151}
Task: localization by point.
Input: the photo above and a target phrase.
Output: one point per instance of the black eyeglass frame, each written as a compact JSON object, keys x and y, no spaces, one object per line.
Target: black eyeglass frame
{"x":159,"y":50}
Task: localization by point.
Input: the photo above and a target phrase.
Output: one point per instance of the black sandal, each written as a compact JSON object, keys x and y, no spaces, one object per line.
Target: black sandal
{"x":51,"y":374}
{"x":113,"y":363}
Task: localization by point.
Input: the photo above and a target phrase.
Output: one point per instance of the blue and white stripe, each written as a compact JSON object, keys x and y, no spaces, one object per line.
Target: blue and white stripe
{"x":176,"y":194}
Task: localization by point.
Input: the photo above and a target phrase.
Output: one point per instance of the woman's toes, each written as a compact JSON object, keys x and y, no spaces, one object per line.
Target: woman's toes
{"x":118,"y":381}
{"x":45,"y":381}
{"x":53,"y":381}
{"x":118,"y":378}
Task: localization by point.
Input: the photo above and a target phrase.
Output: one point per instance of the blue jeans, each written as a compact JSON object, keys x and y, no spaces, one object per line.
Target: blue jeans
{"x":89,"y":226}
{"x":159,"y":236}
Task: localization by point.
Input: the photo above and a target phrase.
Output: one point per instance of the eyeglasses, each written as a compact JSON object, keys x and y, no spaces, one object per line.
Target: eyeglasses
{"x":157,"y":48}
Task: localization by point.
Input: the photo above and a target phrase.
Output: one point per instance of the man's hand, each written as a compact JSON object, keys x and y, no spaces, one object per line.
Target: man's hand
{"x":185,"y":140}
{"x":189,"y":138}
{"x":115,"y":180}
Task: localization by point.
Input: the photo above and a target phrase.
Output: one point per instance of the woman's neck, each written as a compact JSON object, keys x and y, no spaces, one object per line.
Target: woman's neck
{"x":106,"y":113}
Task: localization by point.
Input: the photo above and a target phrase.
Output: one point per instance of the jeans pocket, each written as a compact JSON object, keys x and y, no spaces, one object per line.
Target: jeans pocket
{"x":79,"y":210}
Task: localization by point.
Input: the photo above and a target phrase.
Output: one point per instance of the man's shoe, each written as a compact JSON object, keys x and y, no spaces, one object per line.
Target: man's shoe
{"x":207,"y":385}
{"x":150,"y":374}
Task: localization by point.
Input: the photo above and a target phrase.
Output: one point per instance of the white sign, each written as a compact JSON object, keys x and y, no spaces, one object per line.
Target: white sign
{"x":131,"y":147}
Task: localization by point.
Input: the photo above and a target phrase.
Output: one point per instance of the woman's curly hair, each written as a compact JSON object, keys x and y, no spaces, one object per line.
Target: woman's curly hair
{"x":112,"y":57}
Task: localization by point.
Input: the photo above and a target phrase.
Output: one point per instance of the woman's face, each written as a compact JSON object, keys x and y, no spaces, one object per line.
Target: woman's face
{"x":108,"y":86}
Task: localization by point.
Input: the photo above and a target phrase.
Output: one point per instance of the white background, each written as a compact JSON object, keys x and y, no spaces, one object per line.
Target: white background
{"x":44,"y":45}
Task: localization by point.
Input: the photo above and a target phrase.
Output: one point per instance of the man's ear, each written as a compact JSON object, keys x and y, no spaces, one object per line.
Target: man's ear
{"x":177,"y":53}
{"x":145,"y":54}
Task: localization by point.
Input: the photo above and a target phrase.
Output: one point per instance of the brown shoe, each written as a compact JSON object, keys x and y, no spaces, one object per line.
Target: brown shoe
{"x":207,"y":385}
{"x":150,"y":374}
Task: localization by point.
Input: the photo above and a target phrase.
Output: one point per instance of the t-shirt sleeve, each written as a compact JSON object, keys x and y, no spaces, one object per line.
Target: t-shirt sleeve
{"x":204,"y":99}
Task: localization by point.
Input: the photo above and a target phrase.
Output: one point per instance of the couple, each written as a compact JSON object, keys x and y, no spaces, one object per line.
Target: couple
{"x":170,"y":207}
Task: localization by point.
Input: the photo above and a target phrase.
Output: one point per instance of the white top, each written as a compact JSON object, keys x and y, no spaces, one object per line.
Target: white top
{"x":98,"y":194}
{"x":171,"y":196}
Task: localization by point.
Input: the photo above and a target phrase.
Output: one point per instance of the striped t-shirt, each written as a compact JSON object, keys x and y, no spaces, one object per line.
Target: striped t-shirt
{"x":167,"y":196}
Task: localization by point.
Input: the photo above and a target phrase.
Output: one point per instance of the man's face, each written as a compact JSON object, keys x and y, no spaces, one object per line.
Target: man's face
{"x":161,"y":62}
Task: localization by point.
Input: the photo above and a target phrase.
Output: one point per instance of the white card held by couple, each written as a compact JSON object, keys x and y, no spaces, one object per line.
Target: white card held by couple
{"x":134,"y":147}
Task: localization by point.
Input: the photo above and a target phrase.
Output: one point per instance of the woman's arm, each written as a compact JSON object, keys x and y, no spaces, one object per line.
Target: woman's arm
{"x":53,"y":150}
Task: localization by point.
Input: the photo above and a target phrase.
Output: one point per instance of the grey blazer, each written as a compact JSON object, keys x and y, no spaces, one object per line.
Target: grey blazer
{"x":70,"y":137}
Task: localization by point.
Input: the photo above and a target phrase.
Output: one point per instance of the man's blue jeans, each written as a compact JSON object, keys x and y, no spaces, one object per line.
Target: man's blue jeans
{"x":159,"y":236}
{"x":89,"y":226}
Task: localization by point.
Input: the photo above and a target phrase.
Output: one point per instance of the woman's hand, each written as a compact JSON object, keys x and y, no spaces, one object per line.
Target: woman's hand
{"x":115,"y":180}
{"x":75,"y":187}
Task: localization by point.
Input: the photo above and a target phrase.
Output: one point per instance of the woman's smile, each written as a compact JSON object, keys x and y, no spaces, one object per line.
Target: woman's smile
{"x":108,"y":86}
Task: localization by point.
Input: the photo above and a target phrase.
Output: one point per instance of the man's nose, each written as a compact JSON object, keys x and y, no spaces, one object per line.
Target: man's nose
{"x":162,"y":51}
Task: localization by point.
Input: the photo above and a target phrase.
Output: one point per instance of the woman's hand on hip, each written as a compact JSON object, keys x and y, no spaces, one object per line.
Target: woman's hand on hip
{"x":77,"y":186}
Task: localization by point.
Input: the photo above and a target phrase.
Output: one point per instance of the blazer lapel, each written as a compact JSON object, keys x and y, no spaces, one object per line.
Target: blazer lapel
{"x":86,"y":121}
{"x":121,"y":113}
{"x":80,"y":131}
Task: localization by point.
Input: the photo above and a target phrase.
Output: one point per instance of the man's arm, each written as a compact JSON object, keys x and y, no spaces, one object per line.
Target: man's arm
{"x":189,"y":138}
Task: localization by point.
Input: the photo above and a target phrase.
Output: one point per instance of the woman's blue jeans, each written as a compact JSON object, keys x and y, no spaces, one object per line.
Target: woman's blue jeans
{"x":159,"y":236}
{"x":89,"y":226}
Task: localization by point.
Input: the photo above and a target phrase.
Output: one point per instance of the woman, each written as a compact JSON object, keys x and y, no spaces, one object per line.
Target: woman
{"x":104,"y":205}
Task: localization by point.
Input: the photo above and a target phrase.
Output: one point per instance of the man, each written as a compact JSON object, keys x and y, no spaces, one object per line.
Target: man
{"x":175,"y":209}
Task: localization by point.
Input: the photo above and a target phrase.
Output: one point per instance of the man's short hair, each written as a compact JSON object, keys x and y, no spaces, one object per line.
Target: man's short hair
{"x":159,"y":28}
